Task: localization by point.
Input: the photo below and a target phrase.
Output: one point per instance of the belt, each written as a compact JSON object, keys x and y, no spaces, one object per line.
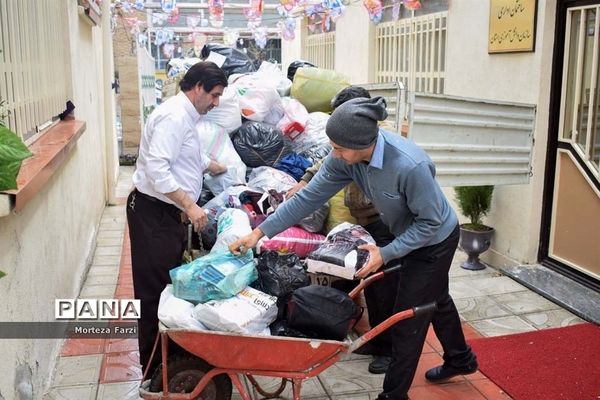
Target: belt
{"x":170,"y":208}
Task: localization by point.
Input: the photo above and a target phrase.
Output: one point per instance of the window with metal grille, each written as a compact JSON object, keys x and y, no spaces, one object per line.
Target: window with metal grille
{"x":580,"y":107}
{"x":319,"y":49}
{"x":412,"y":49}
{"x":34,"y":64}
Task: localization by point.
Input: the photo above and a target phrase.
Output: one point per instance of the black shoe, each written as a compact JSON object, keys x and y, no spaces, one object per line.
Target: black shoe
{"x":380,"y":364}
{"x":445,"y":372}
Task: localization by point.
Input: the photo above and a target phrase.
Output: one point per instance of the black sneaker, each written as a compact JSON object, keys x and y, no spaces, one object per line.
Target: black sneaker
{"x":380,"y":364}
{"x":445,"y":372}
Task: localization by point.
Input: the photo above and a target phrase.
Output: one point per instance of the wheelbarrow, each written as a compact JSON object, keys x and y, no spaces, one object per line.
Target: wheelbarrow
{"x":220,"y":358}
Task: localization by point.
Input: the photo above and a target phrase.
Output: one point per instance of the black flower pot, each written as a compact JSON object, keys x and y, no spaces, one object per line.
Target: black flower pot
{"x":475,"y":242}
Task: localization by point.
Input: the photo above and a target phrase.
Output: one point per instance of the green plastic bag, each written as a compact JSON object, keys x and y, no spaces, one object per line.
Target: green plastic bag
{"x":12,"y":153}
{"x":216,"y":276}
{"x":315,"y":87}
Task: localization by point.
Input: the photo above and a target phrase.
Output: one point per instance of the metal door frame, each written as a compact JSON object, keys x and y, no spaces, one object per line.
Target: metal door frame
{"x":554,"y":145}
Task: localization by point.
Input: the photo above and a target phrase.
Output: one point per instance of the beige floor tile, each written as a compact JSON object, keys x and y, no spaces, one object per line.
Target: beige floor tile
{"x":350,"y":377}
{"x":78,"y":370}
{"x":476,"y":308}
{"x":108,"y":250}
{"x":82,"y":392}
{"x":98,"y":291}
{"x":524,"y":302}
{"x":497,"y":285}
{"x":120,"y":391}
{"x":106,"y":279}
{"x":463,"y":288}
{"x":106,"y":260}
{"x":110,"y":241}
{"x":502,"y":326}
{"x":552,"y":319}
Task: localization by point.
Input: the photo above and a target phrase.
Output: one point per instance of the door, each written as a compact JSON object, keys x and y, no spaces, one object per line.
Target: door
{"x":570,"y":239}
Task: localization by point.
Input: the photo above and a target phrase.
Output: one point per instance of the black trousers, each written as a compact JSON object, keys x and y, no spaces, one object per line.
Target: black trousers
{"x":380,"y":295}
{"x":424,"y":279}
{"x":157,"y":243}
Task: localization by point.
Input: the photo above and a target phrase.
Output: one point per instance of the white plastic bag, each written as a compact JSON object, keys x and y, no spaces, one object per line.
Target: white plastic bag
{"x":227,"y":114}
{"x":232,"y":225}
{"x":218,"y":146}
{"x":294,"y":118}
{"x":266,"y":178}
{"x":314,"y":133}
{"x":175,"y":312}
{"x":222,"y":198}
{"x":249,"y":312}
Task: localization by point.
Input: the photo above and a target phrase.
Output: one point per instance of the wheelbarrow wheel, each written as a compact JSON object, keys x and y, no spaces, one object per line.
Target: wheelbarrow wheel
{"x":184,"y":373}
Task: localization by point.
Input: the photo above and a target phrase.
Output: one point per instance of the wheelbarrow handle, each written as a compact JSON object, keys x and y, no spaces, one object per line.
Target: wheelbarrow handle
{"x":417,"y":311}
{"x":372,"y":278}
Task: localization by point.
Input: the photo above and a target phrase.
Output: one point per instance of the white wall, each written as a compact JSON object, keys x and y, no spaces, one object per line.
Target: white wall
{"x":355,"y":44}
{"x":45,"y":249}
{"x":514,"y":77}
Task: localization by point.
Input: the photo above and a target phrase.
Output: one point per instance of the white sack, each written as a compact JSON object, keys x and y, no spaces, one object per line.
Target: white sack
{"x":248,"y":312}
{"x":175,"y":312}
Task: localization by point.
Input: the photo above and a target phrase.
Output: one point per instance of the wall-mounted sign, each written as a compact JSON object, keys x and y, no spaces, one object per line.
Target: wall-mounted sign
{"x":512,"y":26}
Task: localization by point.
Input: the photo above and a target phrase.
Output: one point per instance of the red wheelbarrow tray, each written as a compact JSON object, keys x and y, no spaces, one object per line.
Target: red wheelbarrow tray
{"x":284,"y":357}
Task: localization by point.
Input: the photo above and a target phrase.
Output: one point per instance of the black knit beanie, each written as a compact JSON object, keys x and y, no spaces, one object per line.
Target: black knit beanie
{"x":353,"y":125}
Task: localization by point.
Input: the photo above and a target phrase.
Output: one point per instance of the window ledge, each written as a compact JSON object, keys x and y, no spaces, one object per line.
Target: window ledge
{"x":49,"y":153}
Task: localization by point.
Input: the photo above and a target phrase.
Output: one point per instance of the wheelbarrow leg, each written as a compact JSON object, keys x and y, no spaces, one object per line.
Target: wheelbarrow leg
{"x":296,"y":386}
{"x":238,"y":384}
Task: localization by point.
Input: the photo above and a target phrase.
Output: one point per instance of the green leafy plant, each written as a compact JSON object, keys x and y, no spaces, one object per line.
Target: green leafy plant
{"x":12,"y":154}
{"x":474,"y":203}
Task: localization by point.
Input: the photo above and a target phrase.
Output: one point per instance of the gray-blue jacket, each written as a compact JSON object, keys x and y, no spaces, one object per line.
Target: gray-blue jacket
{"x":400,"y":181}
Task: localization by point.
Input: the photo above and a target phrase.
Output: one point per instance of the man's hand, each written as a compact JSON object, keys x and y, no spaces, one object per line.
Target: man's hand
{"x":374,"y":262}
{"x":295,"y":188}
{"x":242,"y":245}
{"x":197,"y":216}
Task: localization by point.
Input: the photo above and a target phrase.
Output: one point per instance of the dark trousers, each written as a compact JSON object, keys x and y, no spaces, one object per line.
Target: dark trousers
{"x":380,"y":295}
{"x":157,"y":243}
{"x":424,"y":279}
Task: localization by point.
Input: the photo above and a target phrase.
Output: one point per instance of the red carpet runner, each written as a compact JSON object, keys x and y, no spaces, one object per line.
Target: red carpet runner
{"x":551,"y":364}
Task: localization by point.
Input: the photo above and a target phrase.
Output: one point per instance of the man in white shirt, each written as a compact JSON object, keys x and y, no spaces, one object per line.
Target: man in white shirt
{"x":168,"y":182}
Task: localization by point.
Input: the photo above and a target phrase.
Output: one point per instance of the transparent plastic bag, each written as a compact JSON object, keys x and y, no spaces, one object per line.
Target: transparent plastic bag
{"x":212,"y":277}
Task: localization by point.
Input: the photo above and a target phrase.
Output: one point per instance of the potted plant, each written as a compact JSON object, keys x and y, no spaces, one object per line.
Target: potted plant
{"x":474,"y":202}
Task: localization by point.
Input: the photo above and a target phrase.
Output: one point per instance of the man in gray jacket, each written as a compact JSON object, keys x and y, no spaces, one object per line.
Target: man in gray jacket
{"x":399,"y":178}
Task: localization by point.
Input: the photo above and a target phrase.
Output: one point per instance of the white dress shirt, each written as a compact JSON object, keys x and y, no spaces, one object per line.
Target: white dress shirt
{"x":170,"y":155}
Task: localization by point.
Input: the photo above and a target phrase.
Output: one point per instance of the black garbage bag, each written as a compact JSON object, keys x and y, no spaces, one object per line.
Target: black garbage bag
{"x":236,"y":61}
{"x":281,"y":328}
{"x":322,"y":312}
{"x":279,"y":275}
{"x":259,"y":144}
{"x":294,"y":65}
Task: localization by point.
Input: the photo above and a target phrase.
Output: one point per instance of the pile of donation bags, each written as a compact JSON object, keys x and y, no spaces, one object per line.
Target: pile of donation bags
{"x":267,"y":130}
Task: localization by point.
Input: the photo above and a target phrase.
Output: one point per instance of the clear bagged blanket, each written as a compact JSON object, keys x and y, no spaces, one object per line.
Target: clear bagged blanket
{"x":215,"y":276}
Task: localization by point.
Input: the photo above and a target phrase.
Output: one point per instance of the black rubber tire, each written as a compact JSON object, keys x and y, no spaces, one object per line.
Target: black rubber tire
{"x":185,"y":371}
